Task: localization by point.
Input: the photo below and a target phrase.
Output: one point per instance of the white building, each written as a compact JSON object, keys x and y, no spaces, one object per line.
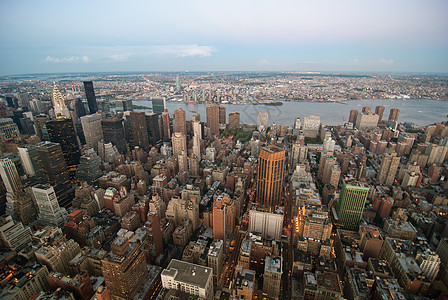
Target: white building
{"x":269,"y":224}
{"x":13,"y":234}
{"x":49,"y":210}
{"x":93,"y":132}
{"x":210,"y":154}
{"x":429,"y":263}
{"x":189,"y":278}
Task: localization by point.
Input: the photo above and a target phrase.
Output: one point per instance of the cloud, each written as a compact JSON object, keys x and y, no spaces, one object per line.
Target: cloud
{"x":386,"y":61}
{"x":265,"y":62}
{"x":120,"y":57}
{"x":70,"y":59}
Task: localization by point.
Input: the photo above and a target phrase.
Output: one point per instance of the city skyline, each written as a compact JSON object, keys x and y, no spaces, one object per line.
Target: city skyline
{"x":346,"y":36}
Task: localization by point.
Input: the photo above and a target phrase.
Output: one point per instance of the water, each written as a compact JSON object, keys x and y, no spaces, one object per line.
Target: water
{"x":420,"y":112}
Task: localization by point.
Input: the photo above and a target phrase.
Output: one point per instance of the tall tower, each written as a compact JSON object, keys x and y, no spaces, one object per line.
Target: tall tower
{"x":351,"y":203}
{"x":113,"y":132}
{"x":139,"y":132}
{"x":19,"y":204}
{"x":178,"y":88}
{"x":271,"y":168}
{"x":90,"y":95}
{"x":393,"y":114}
{"x":179,"y":143}
{"x":222,"y":115}
{"x":91,"y":126}
{"x":49,"y":210}
{"x":158,"y":105}
{"x":234,"y":120}
{"x":63,"y":132}
{"x":388,"y":169}
{"x":213,"y":119}
{"x":379,"y":110}
{"x":180,"y":124}
{"x":60,"y":109}
{"x":166,"y":125}
{"x":219,"y":220}
{"x":153,"y":127}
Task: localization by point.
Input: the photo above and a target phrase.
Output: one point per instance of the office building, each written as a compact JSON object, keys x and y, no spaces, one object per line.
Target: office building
{"x":349,"y":209}
{"x":379,"y":110}
{"x":262,"y":121}
{"x":8,"y":130}
{"x":158,"y":105}
{"x":393,"y":114}
{"x":63,"y":132}
{"x":219,"y":220}
{"x":124,"y":269}
{"x":166,"y":125}
{"x":366,"y":120}
{"x":271,"y":168}
{"x":153,"y":127}
{"x":179,"y":143}
{"x":268,"y":224}
{"x":138,"y":131}
{"x":222,"y":115}
{"x":215,"y":258}
{"x":91,"y":126}
{"x":31,"y":162}
{"x":124,"y":105}
{"x":179,"y":123}
{"x":90,"y":95}
{"x":56,"y":257}
{"x":272,"y":276}
{"x":188,"y":278}
{"x":78,"y":107}
{"x":60,"y":109}
{"x":19,"y":203}
{"x":311,"y":126}
{"x":213,"y":119}
{"x":13,"y":234}
{"x":388,"y":169}
{"x":234,"y":120}
{"x":50,"y":213}
{"x":89,"y":168}
{"x":197,"y":129}
{"x":113,"y":132}
{"x":244,"y":283}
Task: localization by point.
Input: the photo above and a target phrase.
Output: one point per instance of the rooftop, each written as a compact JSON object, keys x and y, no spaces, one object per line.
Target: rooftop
{"x":188,"y":273}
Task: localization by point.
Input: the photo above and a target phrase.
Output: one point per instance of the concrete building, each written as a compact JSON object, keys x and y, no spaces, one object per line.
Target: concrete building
{"x":179,"y":123}
{"x":311,"y":126}
{"x":50,"y":213}
{"x":13,"y":235}
{"x":393,"y":114}
{"x":366,"y":120}
{"x":179,"y":142}
{"x":215,"y":258}
{"x":262,"y":121}
{"x":271,"y":169}
{"x":272,"y":276}
{"x":57,"y":258}
{"x":91,"y":127}
{"x":189,"y":278}
{"x":388,"y":169}
{"x":213,"y":119}
{"x":269,"y":224}
{"x":234,"y":120}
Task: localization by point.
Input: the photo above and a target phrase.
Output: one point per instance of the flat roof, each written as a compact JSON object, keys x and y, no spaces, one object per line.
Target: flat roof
{"x":188,"y":273}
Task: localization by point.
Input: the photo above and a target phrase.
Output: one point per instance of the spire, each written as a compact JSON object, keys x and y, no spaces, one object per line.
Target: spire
{"x":58,"y":103}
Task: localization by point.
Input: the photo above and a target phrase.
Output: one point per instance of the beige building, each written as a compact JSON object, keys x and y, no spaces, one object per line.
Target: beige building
{"x":93,"y":132}
{"x":179,"y":142}
{"x":272,"y":276}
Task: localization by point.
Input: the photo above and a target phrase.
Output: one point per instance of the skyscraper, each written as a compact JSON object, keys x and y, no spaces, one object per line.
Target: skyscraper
{"x":234,"y":120}
{"x":262,"y":120}
{"x":91,"y":126}
{"x":8,"y":130}
{"x":222,"y":115}
{"x":19,"y":204}
{"x":113,"y":132}
{"x":139,"y":132}
{"x":213,"y":119}
{"x":179,"y":143}
{"x":349,"y":209}
{"x":50,"y":213}
{"x":158,"y":105}
{"x":219,"y":220}
{"x":63,"y":132}
{"x":393,"y":114}
{"x":153,"y":127}
{"x":271,"y":167}
{"x":379,"y":110}
{"x":90,"y":95}
{"x":31,"y":162}
{"x":388,"y":169}
{"x":166,"y":125}
{"x":60,"y":109}
{"x":180,"y":124}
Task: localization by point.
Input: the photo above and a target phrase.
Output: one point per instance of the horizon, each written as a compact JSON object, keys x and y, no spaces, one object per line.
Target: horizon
{"x":254,"y":36}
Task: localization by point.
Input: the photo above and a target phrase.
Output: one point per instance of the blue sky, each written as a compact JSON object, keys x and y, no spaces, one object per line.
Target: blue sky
{"x":214,"y":35}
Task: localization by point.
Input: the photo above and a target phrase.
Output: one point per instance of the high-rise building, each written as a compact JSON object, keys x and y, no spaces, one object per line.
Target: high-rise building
{"x":215,"y":258}
{"x":89,"y":168}
{"x":124,"y":105}
{"x":139,"y":132}
{"x":63,"y":132}
{"x":50,"y":213}
{"x":393,"y":114}
{"x":158,"y":105}
{"x":124,"y":269}
{"x":213,"y":119}
{"x":190,"y":278}
{"x":353,"y":116}
{"x":90,"y":95}
{"x":179,"y":143}
{"x":349,"y":209}
{"x":219,"y":220}
{"x":178,"y":87}
{"x":193,"y":165}
{"x":366,"y":120}
{"x":272,"y":276}
{"x":19,"y":203}
{"x":31,"y":163}
{"x":271,"y":168}
{"x":153,"y":225}
{"x":78,"y":107}
{"x":153,"y":127}
{"x":13,"y":234}
{"x":8,"y":130}
{"x":262,"y":120}
{"x":60,"y":109}
{"x":388,"y":169}
{"x":180,"y":124}
{"x":234,"y":120}
{"x":222,"y":115}
{"x":113,"y":132}
{"x":379,"y":110}
{"x":91,"y":126}
{"x":166,"y":125}
{"x":268,"y":224}
{"x":197,"y":129}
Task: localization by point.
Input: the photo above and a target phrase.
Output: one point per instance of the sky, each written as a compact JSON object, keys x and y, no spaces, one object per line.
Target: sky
{"x":215,"y":35}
